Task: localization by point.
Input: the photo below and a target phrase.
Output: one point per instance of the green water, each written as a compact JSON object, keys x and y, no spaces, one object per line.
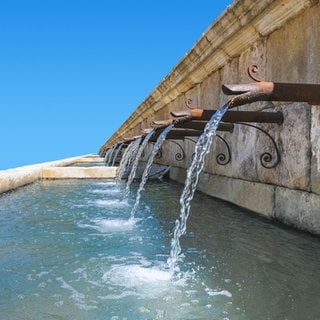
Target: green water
{"x":68,"y":251}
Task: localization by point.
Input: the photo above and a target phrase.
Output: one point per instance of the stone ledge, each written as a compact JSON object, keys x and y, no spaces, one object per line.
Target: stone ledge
{"x":17,"y":177}
{"x":79,"y":173}
{"x":90,"y":159}
{"x":12,"y":179}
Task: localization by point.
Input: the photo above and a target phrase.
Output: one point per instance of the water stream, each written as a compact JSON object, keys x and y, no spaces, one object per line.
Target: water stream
{"x":146,"y":171}
{"x":114,"y":148}
{"x":136,"y":161}
{"x":108,"y":156}
{"x":202,"y":148}
{"x":116,"y":154}
{"x":127,"y":158}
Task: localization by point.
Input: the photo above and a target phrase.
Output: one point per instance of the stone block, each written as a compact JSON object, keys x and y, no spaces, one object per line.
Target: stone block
{"x":257,"y":197}
{"x":12,"y":179}
{"x":210,"y":92}
{"x":293,"y":141}
{"x":178,"y":174}
{"x":79,"y":173}
{"x":298,"y":208}
{"x":298,"y":45}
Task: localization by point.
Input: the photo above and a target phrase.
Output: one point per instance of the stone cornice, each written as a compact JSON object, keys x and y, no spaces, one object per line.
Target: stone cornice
{"x":239,"y":27}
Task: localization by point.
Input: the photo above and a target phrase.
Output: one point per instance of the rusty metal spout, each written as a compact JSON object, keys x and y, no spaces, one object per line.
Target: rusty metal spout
{"x":195,"y":113}
{"x":233,"y":116}
{"x":190,"y":124}
{"x":200,"y":125}
{"x":272,"y":91}
{"x":162,"y":123}
{"x":181,"y":119}
{"x":192,"y":129}
{"x":146,"y":131}
{"x":178,"y":134}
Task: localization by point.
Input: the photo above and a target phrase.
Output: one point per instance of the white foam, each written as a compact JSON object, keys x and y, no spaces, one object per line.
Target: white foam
{"x":42,"y":273}
{"x":110,"y":203}
{"x":109,"y":183}
{"x":220,"y":293}
{"x":105,"y":191}
{"x":133,"y":276}
{"x":106,"y":225}
{"x":121,"y":295}
{"x":79,"y":206}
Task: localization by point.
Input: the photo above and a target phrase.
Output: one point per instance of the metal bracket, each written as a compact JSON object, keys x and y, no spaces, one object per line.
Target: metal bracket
{"x":179,"y":156}
{"x":222,"y":158}
{"x":266,"y":158}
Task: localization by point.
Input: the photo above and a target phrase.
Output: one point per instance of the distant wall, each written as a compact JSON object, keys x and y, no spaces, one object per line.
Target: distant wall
{"x":282,"y":37}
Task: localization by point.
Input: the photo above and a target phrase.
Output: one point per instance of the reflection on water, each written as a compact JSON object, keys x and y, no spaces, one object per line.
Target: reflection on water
{"x":68,"y":250}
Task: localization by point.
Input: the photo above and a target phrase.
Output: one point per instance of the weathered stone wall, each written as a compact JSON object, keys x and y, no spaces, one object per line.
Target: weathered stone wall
{"x":282,"y":37}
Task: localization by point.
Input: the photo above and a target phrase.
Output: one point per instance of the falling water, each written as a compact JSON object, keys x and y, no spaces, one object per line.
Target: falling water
{"x":108,"y":155}
{"x":127,"y":157}
{"x":136,"y":162}
{"x":146,"y":171}
{"x":201,"y":150}
{"x":116,"y":154}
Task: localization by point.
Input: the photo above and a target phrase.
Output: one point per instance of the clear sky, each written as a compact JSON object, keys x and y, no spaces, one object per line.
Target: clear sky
{"x":72,"y":71}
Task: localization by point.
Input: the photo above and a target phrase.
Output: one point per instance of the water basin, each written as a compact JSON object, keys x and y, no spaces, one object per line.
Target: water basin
{"x":69,"y":250}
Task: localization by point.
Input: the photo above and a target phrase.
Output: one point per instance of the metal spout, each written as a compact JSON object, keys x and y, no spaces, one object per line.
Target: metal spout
{"x":200,"y":125}
{"x":146,"y":131}
{"x":231,"y":116}
{"x":191,"y":129}
{"x":191,"y":124}
{"x":272,"y":91}
{"x":178,"y":134}
{"x":162,"y":123}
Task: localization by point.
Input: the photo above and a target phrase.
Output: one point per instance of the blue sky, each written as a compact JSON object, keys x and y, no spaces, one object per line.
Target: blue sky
{"x":72,"y":71}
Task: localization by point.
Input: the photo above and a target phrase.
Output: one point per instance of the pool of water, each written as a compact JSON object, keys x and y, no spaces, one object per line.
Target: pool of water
{"x":69,"y":251}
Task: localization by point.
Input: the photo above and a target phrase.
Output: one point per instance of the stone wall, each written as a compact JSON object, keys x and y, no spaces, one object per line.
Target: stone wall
{"x":282,"y":37}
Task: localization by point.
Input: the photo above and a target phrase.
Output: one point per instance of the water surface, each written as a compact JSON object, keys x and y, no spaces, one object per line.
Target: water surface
{"x":69,"y":250}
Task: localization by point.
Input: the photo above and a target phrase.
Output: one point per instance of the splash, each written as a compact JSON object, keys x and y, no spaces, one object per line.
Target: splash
{"x":109,"y":225}
{"x":116,"y":154}
{"x":110,"y":203}
{"x":136,"y":275}
{"x":202,"y":148}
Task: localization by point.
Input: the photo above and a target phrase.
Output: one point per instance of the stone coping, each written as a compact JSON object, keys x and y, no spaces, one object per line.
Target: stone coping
{"x":17,"y":177}
{"x":79,"y":173}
